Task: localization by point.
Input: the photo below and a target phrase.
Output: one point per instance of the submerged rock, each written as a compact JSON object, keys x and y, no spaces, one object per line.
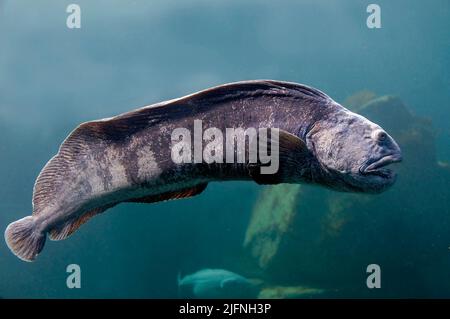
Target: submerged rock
{"x":358,"y":99}
{"x":289,"y":292}
{"x":316,"y":237}
{"x":271,"y":218}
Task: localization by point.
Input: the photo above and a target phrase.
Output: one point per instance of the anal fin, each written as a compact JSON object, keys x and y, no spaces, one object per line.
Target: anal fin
{"x":183,"y":193}
{"x":71,"y":226}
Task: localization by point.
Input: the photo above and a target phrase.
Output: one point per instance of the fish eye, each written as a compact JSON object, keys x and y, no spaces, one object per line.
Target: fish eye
{"x":381,"y":136}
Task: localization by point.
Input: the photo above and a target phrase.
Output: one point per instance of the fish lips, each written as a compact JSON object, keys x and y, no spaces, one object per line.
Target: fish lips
{"x":378,"y":167}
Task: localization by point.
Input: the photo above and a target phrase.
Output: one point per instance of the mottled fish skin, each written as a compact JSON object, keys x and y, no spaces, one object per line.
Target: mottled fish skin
{"x":128,"y":157}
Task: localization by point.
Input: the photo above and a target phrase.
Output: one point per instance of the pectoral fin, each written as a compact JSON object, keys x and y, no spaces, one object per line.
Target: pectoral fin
{"x":292,"y":154}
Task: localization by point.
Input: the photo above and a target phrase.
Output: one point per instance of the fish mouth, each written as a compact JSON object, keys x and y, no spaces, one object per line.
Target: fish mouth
{"x":378,"y":167}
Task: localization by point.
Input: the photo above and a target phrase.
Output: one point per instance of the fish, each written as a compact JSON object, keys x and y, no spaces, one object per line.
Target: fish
{"x":129,"y":157}
{"x":217,"y":283}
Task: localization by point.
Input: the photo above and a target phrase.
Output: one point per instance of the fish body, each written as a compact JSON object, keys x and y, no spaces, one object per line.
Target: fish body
{"x":129,"y":157}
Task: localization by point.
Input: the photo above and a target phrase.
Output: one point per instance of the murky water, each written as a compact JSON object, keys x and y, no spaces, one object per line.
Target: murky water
{"x":133,"y":53}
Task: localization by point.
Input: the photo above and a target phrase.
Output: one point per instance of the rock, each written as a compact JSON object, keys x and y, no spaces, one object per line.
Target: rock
{"x":288,"y":292}
{"x":272,"y":216}
{"x":358,"y":99}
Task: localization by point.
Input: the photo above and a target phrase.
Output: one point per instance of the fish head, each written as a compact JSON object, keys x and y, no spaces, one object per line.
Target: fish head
{"x":353,"y":153}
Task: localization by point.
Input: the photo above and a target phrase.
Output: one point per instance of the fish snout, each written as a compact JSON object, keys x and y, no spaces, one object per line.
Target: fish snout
{"x":378,"y":166}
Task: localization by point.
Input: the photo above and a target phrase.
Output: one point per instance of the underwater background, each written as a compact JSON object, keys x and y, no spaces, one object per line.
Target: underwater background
{"x":129,"y":54}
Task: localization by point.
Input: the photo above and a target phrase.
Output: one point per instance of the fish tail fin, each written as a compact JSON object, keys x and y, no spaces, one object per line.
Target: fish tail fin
{"x":23,"y":239}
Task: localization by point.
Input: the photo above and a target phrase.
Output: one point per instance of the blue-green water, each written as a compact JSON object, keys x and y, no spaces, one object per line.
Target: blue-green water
{"x":133,"y":53}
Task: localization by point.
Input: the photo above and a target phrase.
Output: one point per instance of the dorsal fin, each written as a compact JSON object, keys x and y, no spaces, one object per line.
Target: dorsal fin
{"x":252,"y":88}
{"x":53,"y":174}
{"x":133,"y":121}
{"x":184,"y":193}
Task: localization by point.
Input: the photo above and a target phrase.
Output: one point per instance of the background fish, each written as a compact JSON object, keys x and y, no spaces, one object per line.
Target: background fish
{"x":217,"y":283}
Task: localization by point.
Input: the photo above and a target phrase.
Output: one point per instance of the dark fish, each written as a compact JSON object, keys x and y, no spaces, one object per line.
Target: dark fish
{"x":127,"y":158}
